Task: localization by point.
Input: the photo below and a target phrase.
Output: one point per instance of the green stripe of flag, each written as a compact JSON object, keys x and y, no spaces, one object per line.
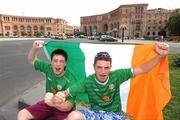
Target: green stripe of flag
{"x":76,"y":59}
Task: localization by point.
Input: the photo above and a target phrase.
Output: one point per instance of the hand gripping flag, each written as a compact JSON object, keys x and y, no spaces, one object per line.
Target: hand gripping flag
{"x":144,"y":96}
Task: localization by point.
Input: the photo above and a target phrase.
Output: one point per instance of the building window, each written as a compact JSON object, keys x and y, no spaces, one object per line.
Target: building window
{"x":141,"y":9}
{"x":48,"y":28}
{"x":35,"y":28}
{"x":7,"y":27}
{"x":22,"y":28}
{"x":154,"y":21}
{"x":111,"y":26}
{"x":148,"y":33}
{"x":41,"y":28}
{"x":138,"y":26}
{"x":15,"y":28}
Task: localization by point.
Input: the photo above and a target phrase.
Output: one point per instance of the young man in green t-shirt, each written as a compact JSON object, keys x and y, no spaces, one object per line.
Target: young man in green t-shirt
{"x":103,"y":87}
{"x":57,"y":78}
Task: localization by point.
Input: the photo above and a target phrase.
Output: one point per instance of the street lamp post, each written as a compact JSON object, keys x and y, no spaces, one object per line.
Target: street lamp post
{"x":123,"y":28}
{"x":123,"y":34}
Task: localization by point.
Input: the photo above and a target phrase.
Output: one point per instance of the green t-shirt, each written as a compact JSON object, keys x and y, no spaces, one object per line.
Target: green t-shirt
{"x":103,"y":96}
{"x":58,"y":83}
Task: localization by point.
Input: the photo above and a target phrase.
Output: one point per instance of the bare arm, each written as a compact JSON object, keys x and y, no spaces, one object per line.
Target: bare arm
{"x":33,"y":51}
{"x":162,"y":50}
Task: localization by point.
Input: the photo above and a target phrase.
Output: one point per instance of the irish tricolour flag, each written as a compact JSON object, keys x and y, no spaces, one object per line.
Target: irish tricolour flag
{"x":143,"y":96}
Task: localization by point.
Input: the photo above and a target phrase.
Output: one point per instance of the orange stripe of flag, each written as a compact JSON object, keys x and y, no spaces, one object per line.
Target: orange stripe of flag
{"x":149,"y":92}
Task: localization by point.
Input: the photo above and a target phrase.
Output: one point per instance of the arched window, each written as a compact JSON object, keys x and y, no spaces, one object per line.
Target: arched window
{"x":148,"y":33}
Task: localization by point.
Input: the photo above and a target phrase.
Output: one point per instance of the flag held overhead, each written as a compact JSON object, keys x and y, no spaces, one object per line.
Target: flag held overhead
{"x":143,"y":96}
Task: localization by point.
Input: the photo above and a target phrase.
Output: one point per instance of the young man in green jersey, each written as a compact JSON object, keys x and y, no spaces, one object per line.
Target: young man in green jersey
{"x":103,"y":87}
{"x":57,"y":78}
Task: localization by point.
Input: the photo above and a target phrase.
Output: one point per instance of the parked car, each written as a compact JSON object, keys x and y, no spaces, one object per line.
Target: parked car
{"x":140,"y":38}
{"x":93,"y":37}
{"x":107,"y":38}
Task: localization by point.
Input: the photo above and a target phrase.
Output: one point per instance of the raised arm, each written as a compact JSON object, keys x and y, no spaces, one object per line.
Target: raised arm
{"x":33,"y":51}
{"x":162,"y":50}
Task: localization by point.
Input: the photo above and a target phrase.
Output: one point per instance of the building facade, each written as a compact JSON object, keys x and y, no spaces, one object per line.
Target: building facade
{"x":133,"y":20}
{"x":17,"y":26}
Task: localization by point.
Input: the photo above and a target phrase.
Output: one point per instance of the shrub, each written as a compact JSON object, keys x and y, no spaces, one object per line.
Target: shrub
{"x":176,"y":60}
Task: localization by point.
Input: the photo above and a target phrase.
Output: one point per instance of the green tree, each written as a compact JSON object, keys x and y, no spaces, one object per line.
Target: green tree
{"x":38,"y":34}
{"x":163,"y":32}
{"x":174,"y":23}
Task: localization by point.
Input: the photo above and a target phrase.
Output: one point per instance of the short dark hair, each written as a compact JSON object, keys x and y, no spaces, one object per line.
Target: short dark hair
{"x":102,"y":56}
{"x":59,"y":52}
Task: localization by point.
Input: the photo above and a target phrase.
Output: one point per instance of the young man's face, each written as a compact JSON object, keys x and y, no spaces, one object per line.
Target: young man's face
{"x":58,"y":63}
{"x":102,"y":69}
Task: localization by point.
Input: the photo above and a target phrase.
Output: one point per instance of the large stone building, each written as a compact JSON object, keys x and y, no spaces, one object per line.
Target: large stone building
{"x":133,"y":20}
{"x":17,"y":26}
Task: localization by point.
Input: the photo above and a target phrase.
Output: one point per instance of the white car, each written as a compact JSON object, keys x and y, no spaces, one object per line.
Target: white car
{"x":107,"y":38}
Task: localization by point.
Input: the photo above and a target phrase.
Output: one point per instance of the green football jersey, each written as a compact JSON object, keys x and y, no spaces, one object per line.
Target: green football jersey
{"x":58,"y":83}
{"x":103,"y":96}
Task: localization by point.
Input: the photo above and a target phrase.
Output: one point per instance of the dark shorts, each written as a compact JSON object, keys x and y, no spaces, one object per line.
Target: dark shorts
{"x":41,"y":111}
{"x":103,"y":115}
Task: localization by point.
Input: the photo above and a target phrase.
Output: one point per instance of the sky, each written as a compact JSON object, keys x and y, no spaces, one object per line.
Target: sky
{"x":72,"y":10}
